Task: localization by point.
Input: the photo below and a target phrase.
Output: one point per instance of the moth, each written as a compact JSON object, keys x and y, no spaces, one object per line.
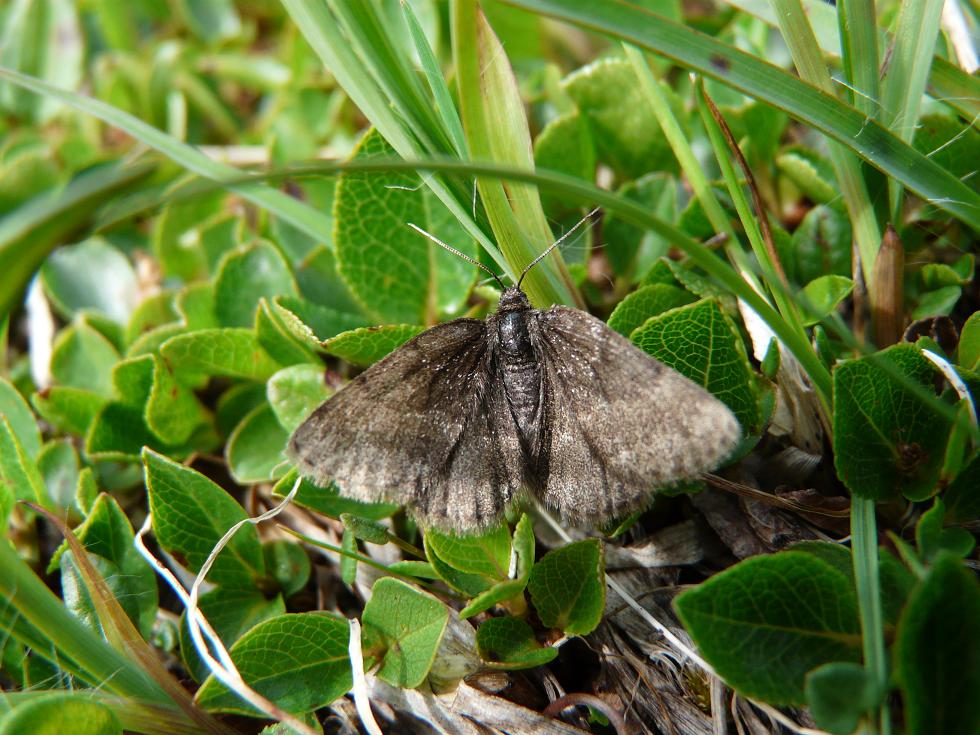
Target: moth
{"x":461,"y":420}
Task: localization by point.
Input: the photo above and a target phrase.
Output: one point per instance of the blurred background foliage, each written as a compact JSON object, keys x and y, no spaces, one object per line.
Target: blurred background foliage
{"x":162,"y":334}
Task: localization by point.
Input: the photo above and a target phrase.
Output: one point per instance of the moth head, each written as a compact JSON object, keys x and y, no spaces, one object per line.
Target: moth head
{"x":513,"y":299}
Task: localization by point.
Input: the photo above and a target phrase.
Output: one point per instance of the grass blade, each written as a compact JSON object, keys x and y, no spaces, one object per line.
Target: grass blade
{"x":496,"y":127}
{"x":799,"y":37}
{"x":768,"y":83}
{"x":282,"y":205}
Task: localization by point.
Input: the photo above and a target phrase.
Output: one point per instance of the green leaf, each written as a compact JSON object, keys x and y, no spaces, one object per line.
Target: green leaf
{"x":403,"y":627}
{"x":471,"y":585}
{"x":71,"y":410}
{"x":839,"y":694}
{"x":751,"y":627}
{"x":18,"y":472}
{"x":58,"y":464}
{"x":509,"y":643}
{"x":152,"y":312}
{"x":237,"y":402}
{"x":497,"y":130}
{"x":298,"y":661}
{"x":277,"y":202}
{"x":90,"y":275}
{"x":396,"y":273}
{"x":328,"y":501}
{"x":420,"y":569}
{"x":968,"y":352}
{"x":645,"y":302}
{"x":568,"y":587}
{"x":938,"y":275}
{"x":896,"y":580}
{"x":87,"y":490}
{"x":288,"y":564}
{"x":314,"y":324}
{"x":255,"y":447}
{"x":190,"y":515}
{"x":348,"y":562}
{"x":172,"y":410}
{"x":948,"y":142}
{"x":936,"y":653}
{"x":810,"y":171}
{"x":822,"y":295}
{"x":507,"y":589}
{"x":364,"y":529}
{"x":963,"y":495}
{"x":701,"y":343}
{"x":761,"y":80}
{"x":195,"y":304}
{"x":56,"y":713}
{"x":282,"y":344}
{"x":487,"y":554}
{"x":18,"y":413}
{"x":820,"y":246}
{"x":118,"y":432}
{"x":933,"y":540}
{"x":294,"y":393}
{"x":367,"y":345}
{"x":232,"y":613}
{"x":83,"y":358}
{"x":108,"y":535}
{"x":633,"y":250}
{"x":565,"y":144}
{"x":247,"y":275}
{"x":321,"y":284}
{"x":234,"y":353}
{"x":627,"y":138}
{"x":887,"y":439}
{"x":937,"y":303}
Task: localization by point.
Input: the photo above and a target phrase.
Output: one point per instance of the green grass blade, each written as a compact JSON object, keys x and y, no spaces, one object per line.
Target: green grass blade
{"x":24,"y":598}
{"x":864,"y":556}
{"x":775,"y":278}
{"x":859,"y":53}
{"x":496,"y":129}
{"x":799,"y":37}
{"x":947,"y":82}
{"x":905,"y":80}
{"x":768,"y":83}
{"x":291,"y":210}
{"x":391,"y":71}
{"x":445,"y":108}
{"x":323,"y":33}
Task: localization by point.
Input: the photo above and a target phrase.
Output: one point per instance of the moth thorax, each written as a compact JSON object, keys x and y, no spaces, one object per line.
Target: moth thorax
{"x":514,"y":338}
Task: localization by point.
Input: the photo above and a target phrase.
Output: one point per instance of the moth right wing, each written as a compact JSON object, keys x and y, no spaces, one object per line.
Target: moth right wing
{"x":425,"y":427}
{"x":620,"y":424}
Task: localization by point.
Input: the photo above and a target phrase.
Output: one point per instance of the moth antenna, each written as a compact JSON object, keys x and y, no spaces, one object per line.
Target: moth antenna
{"x":555,"y":244}
{"x":454,"y":251}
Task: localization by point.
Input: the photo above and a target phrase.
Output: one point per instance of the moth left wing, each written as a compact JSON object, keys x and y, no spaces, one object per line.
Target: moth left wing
{"x":619,"y":424}
{"x":423,"y":428}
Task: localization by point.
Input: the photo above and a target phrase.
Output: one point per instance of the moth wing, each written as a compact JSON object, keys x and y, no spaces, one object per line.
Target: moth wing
{"x":620,"y":423}
{"x":423,"y":427}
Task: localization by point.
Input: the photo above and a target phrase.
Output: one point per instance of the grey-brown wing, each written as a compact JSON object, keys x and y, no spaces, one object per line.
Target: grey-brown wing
{"x":424,"y":428}
{"x":620,"y":424}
